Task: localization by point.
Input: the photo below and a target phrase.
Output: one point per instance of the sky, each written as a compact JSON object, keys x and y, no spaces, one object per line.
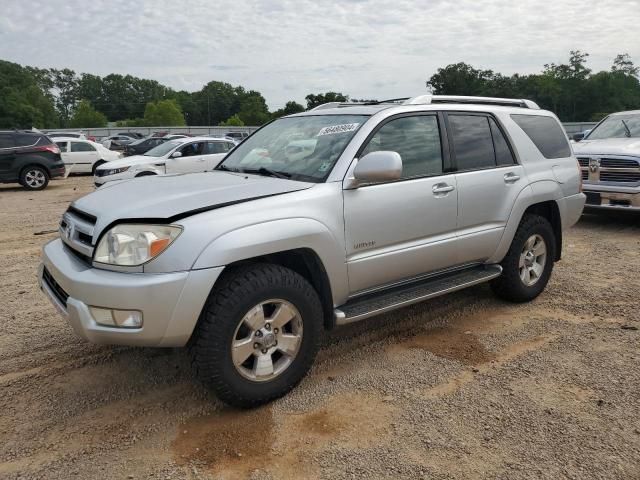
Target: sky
{"x":288,"y":48}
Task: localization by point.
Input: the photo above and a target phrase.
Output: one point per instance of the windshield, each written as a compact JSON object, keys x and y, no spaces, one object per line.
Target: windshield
{"x":162,"y":149}
{"x":301,"y":148}
{"x":617,"y":126}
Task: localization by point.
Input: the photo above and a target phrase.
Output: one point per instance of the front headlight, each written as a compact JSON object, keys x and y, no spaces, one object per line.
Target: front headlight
{"x":115,"y":171}
{"x":132,"y":245}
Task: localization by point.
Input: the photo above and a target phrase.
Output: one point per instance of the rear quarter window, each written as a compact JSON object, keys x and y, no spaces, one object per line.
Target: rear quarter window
{"x":26,"y":140}
{"x":546,"y":134}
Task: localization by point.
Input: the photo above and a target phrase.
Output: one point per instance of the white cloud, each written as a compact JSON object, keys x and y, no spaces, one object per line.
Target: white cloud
{"x":288,"y":48}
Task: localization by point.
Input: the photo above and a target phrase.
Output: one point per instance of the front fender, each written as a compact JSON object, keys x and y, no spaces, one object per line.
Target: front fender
{"x":278,"y":236}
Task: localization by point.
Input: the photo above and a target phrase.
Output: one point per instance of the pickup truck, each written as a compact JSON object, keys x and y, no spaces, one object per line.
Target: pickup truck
{"x":609,"y":158}
{"x":317,"y":220}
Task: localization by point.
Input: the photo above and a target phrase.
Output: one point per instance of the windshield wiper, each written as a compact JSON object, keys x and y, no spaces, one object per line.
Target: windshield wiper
{"x":267,"y":172}
{"x":626,"y":128}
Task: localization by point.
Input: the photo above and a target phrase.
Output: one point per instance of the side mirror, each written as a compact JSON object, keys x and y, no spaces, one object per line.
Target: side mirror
{"x":578,"y":136}
{"x":176,"y":154}
{"x":382,"y":166}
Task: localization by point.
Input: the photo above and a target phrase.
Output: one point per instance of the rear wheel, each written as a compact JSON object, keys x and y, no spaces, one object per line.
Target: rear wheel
{"x":34,"y":178}
{"x":258,"y":335}
{"x":527,"y":267}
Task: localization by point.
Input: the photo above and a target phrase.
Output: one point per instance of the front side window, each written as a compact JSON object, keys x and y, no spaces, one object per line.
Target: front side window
{"x":193,"y":149}
{"x":546,"y":134}
{"x":416,"y":139}
{"x":472,"y":142}
{"x":6,"y":141}
{"x":301,"y":148}
{"x":162,"y":149}
{"x":81,"y":147}
{"x":62,"y":145}
{"x":617,"y":126}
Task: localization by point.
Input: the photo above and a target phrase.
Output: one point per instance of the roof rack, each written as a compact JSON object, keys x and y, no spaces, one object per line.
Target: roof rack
{"x":506,"y":102}
{"x":431,"y":99}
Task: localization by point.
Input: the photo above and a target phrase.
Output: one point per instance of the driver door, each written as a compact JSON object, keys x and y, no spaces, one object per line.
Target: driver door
{"x":192,"y":159}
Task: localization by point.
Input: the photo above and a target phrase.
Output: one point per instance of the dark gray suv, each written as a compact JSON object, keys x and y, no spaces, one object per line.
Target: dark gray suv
{"x":29,"y":158}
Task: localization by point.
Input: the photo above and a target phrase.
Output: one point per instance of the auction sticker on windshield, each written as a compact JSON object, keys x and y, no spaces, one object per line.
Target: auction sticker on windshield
{"x":345,"y":127}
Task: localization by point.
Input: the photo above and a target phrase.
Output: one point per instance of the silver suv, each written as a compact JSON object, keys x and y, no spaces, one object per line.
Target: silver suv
{"x":317,"y":220}
{"x":610,"y":160}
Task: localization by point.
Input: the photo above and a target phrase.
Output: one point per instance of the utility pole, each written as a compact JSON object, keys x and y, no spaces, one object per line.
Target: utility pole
{"x":208,"y":111}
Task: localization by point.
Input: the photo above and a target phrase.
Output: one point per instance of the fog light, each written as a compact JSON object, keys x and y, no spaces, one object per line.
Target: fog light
{"x":117,"y":318}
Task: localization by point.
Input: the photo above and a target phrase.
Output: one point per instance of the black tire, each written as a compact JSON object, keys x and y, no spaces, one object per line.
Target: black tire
{"x":510,"y":286}
{"x":96,"y":165}
{"x":144,"y":174}
{"x":28,"y":177}
{"x":227,"y":304}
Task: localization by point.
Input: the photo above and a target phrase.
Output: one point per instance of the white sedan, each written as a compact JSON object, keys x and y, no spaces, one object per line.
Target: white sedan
{"x":182,"y":155}
{"x":83,"y":156}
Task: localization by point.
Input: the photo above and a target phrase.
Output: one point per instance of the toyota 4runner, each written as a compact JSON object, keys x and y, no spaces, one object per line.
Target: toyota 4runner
{"x":317,"y":220}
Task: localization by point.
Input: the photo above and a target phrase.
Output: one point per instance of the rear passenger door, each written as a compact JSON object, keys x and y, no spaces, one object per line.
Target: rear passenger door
{"x":215,"y":151}
{"x":488,"y":178}
{"x":82,"y":156}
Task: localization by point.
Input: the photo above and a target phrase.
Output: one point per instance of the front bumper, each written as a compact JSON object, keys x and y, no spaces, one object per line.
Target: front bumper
{"x":609,"y":197}
{"x":170,"y":302}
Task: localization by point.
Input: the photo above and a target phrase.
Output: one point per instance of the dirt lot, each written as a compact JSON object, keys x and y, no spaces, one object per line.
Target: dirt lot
{"x":465,"y":386}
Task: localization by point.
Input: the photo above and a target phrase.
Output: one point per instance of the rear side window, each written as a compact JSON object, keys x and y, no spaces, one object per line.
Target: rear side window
{"x":25,"y":140}
{"x":6,"y":141}
{"x":546,"y":134}
{"x":472,"y":142}
{"x":503,"y":152}
{"x":215,"y":147}
{"x":81,"y":147}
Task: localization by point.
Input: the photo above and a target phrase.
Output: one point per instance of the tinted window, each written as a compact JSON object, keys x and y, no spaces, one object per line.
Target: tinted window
{"x":26,"y":140}
{"x":62,"y":145}
{"x":81,"y":147}
{"x":472,"y":142}
{"x":546,"y":134}
{"x":215,"y":147}
{"x":192,"y":149}
{"x":416,"y":139}
{"x":6,"y":141}
{"x":503,"y":153}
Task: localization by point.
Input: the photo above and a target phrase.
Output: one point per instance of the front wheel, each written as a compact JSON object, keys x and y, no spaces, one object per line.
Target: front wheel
{"x":258,"y":335}
{"x":527,"y":266}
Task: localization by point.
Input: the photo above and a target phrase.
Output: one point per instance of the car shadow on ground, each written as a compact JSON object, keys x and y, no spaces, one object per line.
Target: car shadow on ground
{"x":615,"y":219}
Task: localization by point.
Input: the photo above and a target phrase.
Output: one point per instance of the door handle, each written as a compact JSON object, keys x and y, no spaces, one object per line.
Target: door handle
{"x":442,"y":188}
{"x":511,"y":177}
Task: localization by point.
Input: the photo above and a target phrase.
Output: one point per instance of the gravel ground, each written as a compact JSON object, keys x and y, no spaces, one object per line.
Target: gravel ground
{"x":465,"y":386}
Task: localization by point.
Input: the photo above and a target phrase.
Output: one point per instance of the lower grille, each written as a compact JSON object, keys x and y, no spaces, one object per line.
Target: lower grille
{"x":57,"y":290}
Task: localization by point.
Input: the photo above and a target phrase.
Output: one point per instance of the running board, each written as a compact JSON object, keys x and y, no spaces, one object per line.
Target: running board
{"x":401,"y":296}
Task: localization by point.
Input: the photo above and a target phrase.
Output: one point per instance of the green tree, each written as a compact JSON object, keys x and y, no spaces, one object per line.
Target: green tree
{"x":85,"y":116}
{"x":313,"y":100}
{"x":290,"y":108}
{"x":165,"y":113}
{"x":253,"y":109}
{"x":23,"y":102}
{"x":623,"y":64}
{"x":232,"y":121}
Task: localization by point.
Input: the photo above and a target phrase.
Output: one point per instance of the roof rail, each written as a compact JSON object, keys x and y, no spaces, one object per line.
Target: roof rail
{"x":397,"y":101}
{"x":507,"y":102}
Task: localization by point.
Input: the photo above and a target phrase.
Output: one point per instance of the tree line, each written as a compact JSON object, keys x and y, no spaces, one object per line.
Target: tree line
{"x":53,"y":98}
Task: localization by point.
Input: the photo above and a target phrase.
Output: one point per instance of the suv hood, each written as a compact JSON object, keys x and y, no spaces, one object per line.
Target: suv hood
{"x":608,"y":146}
{"x":131,"y":161}
{"x":169,"y":197}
